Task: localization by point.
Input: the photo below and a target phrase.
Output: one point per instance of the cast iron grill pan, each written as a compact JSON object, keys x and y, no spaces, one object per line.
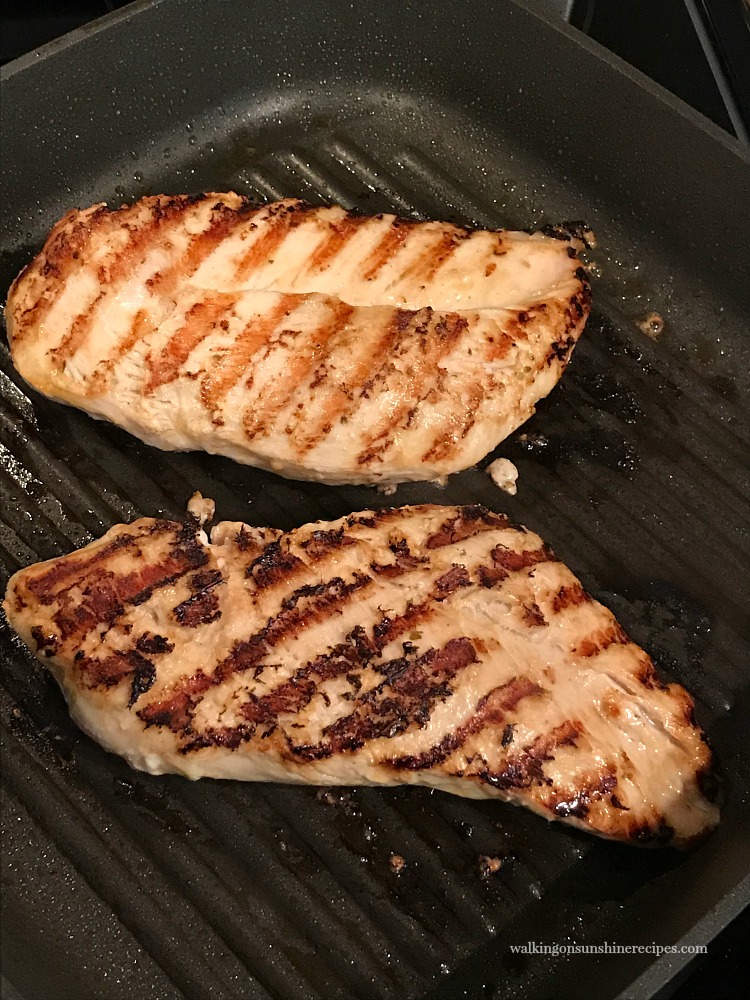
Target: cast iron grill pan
{"x":635,"y":470}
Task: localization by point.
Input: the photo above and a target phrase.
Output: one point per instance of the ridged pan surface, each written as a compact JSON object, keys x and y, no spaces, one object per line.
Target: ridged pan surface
{"x":636,"y":470}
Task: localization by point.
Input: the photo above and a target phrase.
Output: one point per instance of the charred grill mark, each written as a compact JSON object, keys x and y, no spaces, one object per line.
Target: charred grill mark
{"x":506,"y":561}
{"x":560,"y":350}
{"x":46,"y":585}
{"x":293,"y":620}
{"x":279,"y":221}
{"x":99,"y":604}
{"x":491,"y":710}
{"x":286,"y":699}
{"x":105,"y":596}
{"x":79,"y":331}
{"x":144,"y":675}
{"x":404,"y":560}
{"x":647,"y":674}
{"x":404,"y":323}
{"x":274,"y":564}
{"x":230,"y":368}
{"x":293,"y":695}
{"x":567,"y":231}
{"x":386,"y":248}
{"x":382,"y":438}
{"x":468,"y":522}
{"x":388,"y":570}
{"x":403,"y":701}
{"x":525,"y":768}
{"x":432,"y":257}
{"x":490,"y":575}
{"x":338,"y":235}
{"x":343,"y":399}
{"x":199,"y":322}
{"x":601,"y":640}
{"x":275,"y":398}
{"x":140,"y":328}
{"x":308,"y":590}
{"x":532,"y":615}
{"x":435,"y":344}
{"x":204,"y":580}
{"x":224,"y":219}
{"x":202,"y":607}
{"x":456,"y":577}
{"x":312,"y":602}
{"x":63,"y":248}
{"x":659,"y":832}
{"x":569,"y":597}
{"x":186,"y":555}
{"x":426,"y":378}
{"x":227,"y":737}
{"x":46,"y":643}
{"x":569,"y":317}
{"x":154,"y":220}
{"x":111,"y":669}
{"x":151,"y":221}
{"x":588,"y":791}
{"x":388,"y":629}
{"x":581,"y":301}
{"x":153,"y":644}
{"x":400,"y":548}
{"x":321,"y":542}
{"x":176,"y":710}
{"x":58,"y":256}
{"x":247,"y":542}
{"x":61,"y":255}
{"x":374,"y":519}
{"x":446,"y":442}
{"x":105,"y":672}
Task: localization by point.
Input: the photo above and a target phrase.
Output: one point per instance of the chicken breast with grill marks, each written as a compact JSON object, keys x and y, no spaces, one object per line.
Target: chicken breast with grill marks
{"x":318,"y":343}
{"x":440,"y":646}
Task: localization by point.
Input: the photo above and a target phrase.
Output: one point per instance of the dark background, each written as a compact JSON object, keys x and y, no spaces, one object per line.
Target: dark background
{"x":698,"y":50}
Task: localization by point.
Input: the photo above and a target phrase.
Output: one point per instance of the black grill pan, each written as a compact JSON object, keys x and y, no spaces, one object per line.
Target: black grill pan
{"x":636,"y":471}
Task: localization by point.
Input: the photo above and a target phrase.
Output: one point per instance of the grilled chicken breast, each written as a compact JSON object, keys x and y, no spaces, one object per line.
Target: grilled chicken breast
{"x":439,"y":646}
{"x":311,"y":341}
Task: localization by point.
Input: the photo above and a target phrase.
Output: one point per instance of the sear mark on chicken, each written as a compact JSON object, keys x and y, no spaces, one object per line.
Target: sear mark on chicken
{"x":440,"y":646}
{"x":309,"y":341}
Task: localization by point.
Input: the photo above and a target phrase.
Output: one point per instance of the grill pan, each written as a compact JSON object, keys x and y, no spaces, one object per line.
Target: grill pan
{"x":636,"y":471}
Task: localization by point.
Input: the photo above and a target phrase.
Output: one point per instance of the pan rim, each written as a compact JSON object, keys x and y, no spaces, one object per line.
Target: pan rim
{"x":532,"y":7}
